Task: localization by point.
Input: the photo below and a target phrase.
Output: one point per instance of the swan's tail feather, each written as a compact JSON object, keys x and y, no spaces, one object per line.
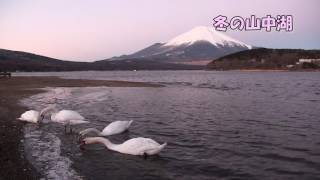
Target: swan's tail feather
{"x":156,"y":150}
{"x":129,"y":124}
{"x":25,"y":120}
{"x":162,"y":146}
{"x":22,"y":119}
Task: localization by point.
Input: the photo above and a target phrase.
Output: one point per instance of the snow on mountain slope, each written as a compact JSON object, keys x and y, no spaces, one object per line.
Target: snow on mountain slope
{"x":203,"y":33}
{"x":199,"y":44}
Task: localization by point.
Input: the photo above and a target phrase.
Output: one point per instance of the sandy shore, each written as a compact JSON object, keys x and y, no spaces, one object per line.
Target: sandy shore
{"x":277,"y":70}
{"x":12,"y":157}
{"x":263,"y":70}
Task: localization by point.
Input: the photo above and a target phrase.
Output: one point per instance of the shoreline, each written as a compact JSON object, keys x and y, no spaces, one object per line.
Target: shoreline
{"x":266,"y":70}
{"x":14,"y":164}
{"x":277,"y":70}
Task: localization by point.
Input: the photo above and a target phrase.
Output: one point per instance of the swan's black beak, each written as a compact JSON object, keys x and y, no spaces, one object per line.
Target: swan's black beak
{"x":79,"y":138}
{"x":41,"y":120}
{"x":82,"y":143}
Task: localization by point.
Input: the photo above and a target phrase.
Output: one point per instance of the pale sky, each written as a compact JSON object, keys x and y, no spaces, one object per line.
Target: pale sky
{"x":88,"y":30}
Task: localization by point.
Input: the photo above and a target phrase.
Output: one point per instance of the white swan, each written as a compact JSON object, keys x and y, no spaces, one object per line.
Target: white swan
{"x":115,"y":127}
{"x":135,"y":146}
{"x":33,"y":116}
{"x":68,"y":117}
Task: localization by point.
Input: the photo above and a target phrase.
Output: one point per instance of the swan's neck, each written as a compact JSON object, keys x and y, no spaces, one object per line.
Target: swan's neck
{"x":107,"y":143}
{"x":86,"y":131}
{"x":48,"y":110}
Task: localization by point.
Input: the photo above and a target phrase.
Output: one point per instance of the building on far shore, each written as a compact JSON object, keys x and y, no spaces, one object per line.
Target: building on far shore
{"x":315,"y":61}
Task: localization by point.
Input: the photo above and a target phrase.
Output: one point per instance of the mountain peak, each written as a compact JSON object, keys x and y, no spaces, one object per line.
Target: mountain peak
{"x":203,"y":33}
{"x":198,"y":45}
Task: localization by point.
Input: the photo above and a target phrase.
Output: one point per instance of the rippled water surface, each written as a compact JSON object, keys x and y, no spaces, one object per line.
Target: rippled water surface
{"x":218,"y":125}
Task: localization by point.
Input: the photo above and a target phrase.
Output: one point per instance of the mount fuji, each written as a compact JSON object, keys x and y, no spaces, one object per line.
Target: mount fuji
{"x":198,"y":46}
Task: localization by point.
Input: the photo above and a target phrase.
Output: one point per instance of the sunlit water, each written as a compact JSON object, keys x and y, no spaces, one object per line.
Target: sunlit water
{"x":218,"y":125}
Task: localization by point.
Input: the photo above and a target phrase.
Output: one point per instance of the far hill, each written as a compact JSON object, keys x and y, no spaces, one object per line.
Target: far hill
{"x":269,"y":59}
{"x":22,"y":61}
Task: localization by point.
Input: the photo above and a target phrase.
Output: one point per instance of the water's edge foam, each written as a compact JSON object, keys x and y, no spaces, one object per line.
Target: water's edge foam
{"x":43,"y":148}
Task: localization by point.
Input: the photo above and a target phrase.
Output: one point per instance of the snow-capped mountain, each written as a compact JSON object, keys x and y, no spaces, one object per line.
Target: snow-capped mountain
{"x":207,"y":34}
{"x":198,"y":46}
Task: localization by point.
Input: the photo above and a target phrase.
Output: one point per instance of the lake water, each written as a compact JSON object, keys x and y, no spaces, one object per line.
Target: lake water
{"x":218,"y":125}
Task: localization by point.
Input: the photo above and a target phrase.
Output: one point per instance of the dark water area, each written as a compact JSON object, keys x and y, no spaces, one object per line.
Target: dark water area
{"x":218,"y":125}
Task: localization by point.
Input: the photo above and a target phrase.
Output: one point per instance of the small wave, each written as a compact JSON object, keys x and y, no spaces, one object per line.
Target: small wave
{"x":291,"y":159}
{"x":296,"y":149}
{"x":221,"y":87}
{"x":176,"y":83}
{"x":43,"y":150}
{"x":279,"y":171}
{"x":186,"y":145}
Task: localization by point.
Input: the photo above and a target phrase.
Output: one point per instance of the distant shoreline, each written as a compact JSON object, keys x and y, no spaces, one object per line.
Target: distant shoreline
{"x":14,"y":164}
{"x":260,"y":70}
{"x":268,"y":70}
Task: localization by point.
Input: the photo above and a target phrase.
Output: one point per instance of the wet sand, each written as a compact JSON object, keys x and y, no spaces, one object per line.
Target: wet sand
{"x":13,"y":163}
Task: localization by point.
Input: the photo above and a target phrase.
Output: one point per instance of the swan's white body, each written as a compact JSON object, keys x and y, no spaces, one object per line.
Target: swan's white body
{"x":115,"y":127}
{"x":135,"y":146}
{"x":68,"y":117}
{"x":31,"y":116}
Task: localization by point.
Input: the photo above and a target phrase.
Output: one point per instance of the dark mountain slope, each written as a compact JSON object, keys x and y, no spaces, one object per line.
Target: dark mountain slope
{"x":264,"y":58}
{"x":23,"y":61}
